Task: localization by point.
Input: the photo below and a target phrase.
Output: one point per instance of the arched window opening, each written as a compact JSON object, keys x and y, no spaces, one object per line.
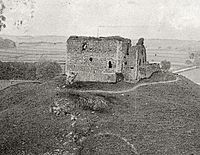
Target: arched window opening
{"x":109,"y":64}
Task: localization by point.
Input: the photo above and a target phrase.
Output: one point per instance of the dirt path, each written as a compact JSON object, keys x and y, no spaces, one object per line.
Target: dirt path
{"x":128,"y":90}
{"x":185,"y":69}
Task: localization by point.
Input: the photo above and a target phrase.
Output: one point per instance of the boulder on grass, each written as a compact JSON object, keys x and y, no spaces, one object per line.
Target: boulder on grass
{"x":94,"y":103}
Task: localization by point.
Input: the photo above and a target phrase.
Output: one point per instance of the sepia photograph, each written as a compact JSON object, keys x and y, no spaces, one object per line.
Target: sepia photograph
{"x":99,"y":77}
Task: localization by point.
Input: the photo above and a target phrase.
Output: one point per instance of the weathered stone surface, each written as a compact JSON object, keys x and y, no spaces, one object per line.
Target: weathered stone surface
{"x":147,"y":70}
{"x":103,"y":59}
{"x":140,"y":41}
{"x":100,"y":105}
{"x":62,"y":106}
{"x":96,"y":59}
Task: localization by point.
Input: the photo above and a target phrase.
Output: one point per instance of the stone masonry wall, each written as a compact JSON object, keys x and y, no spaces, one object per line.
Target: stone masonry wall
{"x":94,"y":59}
{"x":147,"y":70}
{"x":136,"y":57}
{"x":141,"y":55}
{"x":103,"y":59}
{"x":130,"y":65}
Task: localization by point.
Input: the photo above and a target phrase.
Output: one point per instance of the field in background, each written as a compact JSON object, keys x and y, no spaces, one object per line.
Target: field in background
{"x":57,"y":52}
{"x":33,"y":49}
{"x":34,"y":52}
{"x":177,"y":58}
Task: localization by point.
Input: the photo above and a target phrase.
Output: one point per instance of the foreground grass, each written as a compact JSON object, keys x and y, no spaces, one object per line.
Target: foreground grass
{"x":158,"y":119}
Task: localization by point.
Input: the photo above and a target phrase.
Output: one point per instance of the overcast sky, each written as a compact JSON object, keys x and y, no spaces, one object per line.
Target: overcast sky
{"x":168,"y":19}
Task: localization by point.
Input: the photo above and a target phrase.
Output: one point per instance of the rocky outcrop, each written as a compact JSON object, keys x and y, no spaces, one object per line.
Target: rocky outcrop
{"x":95,"y":103}
{"x":65,"y":106}
{"x":81,"y":127}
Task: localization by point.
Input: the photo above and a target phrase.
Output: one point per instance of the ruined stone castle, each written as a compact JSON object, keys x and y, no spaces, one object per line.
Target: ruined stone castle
{"x":107,"y":59}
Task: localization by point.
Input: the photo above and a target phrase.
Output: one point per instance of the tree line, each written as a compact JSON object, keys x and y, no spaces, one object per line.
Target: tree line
{"x":29,"y":71}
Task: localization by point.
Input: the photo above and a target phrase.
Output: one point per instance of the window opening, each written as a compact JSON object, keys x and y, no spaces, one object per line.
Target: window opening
{"x":84,"y":46}
{"x":127,"y":52}
{"x":139,"y":62}
{"x":110,"y":64}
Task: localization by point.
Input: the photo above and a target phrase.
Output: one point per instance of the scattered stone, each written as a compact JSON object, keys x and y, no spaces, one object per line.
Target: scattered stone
{"x":62,"y":107}
{"x":100,"y":105}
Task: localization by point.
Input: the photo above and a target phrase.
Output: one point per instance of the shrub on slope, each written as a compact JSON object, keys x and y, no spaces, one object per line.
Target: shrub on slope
{"x":47,"y":70}
{"x":17,"y":71}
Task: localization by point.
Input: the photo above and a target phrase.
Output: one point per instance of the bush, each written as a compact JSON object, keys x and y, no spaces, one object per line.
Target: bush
{"x":17,"y":71}
{"x":165,"y":65}
{"x":29,"y":71}
{"x":197,"y":61}
{"x":188,"y":62}
{"x":191,"y":55}
{"x":1,"y":70}
{"x":47,"y":70}
{"x":60,"y":81}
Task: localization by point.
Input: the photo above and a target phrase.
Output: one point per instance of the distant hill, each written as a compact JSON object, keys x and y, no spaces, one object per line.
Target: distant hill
{"x":25,"y":39}
{"x":6,"y":43}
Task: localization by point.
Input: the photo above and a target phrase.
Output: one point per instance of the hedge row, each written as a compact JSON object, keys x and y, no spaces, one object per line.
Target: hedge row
{"x":29,"y":71}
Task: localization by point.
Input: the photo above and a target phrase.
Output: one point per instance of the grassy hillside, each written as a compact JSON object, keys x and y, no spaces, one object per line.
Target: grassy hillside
{"x":154,"y":119}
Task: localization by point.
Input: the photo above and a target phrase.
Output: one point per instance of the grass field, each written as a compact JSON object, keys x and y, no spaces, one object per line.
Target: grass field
{"x":54,"y":48}
{"x":158,"y":119}
{"x":33,"y":52}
